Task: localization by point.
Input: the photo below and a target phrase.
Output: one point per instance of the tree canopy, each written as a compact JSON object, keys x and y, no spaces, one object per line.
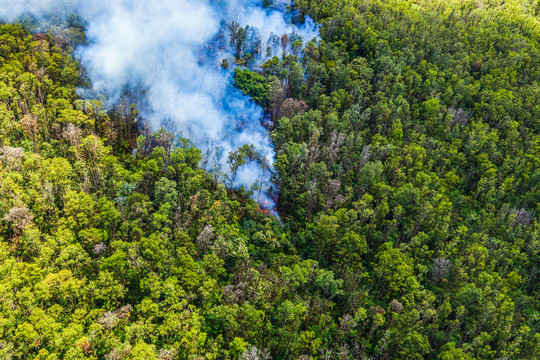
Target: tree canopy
{"x":408,"y":169}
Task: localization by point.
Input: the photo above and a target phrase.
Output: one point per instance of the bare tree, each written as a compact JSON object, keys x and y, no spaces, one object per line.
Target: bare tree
{"x":12,"y":157}
{"x":522,"y":216}
{"x":255,"y":354}
{"x":204,"y":240}
{"x":440,"y":268}
{"x":20,"y":217}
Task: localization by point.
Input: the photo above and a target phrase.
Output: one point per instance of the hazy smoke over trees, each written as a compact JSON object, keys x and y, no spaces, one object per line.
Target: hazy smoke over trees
{"x":163,"y":46}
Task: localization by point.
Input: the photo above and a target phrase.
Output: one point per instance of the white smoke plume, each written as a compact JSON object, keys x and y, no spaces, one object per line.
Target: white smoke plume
{"x":162,"y":45}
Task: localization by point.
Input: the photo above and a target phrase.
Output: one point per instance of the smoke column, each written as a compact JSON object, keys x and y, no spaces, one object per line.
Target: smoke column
{"x":162,"y":45}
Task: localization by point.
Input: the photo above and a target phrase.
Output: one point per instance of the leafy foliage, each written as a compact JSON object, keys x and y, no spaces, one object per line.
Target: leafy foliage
{"x":407,"y":163}
{"x":252,"y":84}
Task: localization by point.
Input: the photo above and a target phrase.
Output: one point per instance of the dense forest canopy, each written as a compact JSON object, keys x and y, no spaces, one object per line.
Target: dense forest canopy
{"x":408,"y":170}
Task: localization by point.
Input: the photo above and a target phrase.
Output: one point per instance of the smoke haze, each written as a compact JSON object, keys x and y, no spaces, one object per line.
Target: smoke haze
{"x":162,"y":45}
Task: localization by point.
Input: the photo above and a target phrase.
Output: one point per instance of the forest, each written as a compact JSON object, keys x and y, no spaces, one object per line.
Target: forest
{"x":407,"y":174}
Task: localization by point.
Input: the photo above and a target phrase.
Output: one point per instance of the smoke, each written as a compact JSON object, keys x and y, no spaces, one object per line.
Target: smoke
{"x":165,"y":46}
